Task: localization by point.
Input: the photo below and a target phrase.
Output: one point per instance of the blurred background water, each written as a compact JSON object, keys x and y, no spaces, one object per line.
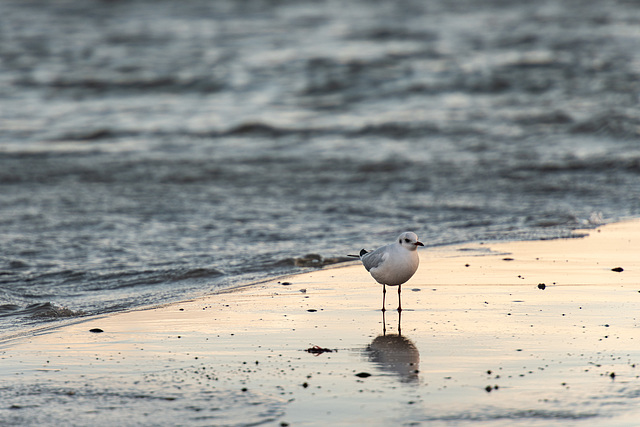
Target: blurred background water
{"x":156,"y":150}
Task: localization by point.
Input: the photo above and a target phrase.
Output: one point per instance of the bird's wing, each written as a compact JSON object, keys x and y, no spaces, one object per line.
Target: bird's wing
{"x":374,"y":259}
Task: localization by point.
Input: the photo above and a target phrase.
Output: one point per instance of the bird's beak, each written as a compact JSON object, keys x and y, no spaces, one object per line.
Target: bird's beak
{"x":419,"y":244}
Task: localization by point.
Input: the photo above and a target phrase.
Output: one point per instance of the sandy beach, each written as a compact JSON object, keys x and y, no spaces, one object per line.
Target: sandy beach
{"x":493,"y":333}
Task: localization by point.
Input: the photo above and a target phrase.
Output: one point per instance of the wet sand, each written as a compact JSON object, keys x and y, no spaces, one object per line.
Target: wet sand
{"x":481,"y":341}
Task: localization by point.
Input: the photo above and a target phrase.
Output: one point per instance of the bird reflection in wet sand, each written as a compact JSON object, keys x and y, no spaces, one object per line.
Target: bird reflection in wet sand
{"x":395,"y":353}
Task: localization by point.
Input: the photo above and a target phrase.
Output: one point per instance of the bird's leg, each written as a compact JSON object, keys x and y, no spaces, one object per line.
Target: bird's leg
{"x":384,"y":292}
{"x":399,"y":323}
{"x":399,"y":301}
{"x":384,"y":324}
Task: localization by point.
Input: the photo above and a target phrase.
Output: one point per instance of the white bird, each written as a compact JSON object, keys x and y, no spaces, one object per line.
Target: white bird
{"x":393,"y":264}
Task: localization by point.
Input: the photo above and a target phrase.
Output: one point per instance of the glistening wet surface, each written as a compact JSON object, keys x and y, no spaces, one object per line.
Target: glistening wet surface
{"x":475,"y":354}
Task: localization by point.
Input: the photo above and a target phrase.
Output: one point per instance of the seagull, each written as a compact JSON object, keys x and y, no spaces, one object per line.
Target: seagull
{"x":393,"y":264}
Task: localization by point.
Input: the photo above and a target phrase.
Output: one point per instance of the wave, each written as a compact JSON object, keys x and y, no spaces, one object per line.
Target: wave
{"x":252,"y":129}
{"x":557,"y":117}
{"x":310,"y":260}
{"x":96,"y":85}
{"x":129,"y":279}
{"x":391,"y":130}
{"x":73,"y":283}
{"x":90,"y":135}
{"x":627,"y":162}
{"x":385,"y":34}
{"x":397,"y":130}
{"x":613,"y":123}
{"x":260,"y":129}
{"x":45,"y":310}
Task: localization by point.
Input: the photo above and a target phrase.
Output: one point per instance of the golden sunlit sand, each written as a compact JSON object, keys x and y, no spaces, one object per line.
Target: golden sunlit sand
{"x":481,"y":341}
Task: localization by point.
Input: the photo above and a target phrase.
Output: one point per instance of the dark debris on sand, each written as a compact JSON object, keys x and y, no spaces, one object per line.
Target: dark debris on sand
{"x":319,"y":350}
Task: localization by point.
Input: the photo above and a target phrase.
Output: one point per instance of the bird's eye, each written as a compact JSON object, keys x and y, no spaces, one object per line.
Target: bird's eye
{"x":407,"y":240}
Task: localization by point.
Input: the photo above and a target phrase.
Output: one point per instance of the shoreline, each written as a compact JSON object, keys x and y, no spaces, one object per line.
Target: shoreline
{"x":480,"y":342}
{"x":479,"y":246}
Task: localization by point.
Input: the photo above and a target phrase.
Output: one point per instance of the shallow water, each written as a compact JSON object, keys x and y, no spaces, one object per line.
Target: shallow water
{"x":153,"y":151}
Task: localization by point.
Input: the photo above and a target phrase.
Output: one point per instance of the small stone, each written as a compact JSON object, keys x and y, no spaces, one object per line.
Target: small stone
{"x":618,"y":269}
{"x":96,"y":330}
{"x":363,"y":375}
{"x":542,"y":286}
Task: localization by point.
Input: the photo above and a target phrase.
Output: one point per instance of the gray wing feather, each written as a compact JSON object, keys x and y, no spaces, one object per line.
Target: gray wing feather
{"x":373,"y":259}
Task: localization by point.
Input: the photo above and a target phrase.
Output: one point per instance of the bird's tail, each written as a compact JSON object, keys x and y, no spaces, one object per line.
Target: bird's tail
{"x":362,"y":252}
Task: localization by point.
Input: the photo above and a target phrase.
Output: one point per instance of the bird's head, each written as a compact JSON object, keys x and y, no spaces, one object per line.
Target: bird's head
{"x":409,"y":240}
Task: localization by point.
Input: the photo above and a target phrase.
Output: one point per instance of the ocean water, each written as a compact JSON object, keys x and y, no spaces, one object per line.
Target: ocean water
{"x":152,"y":151}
